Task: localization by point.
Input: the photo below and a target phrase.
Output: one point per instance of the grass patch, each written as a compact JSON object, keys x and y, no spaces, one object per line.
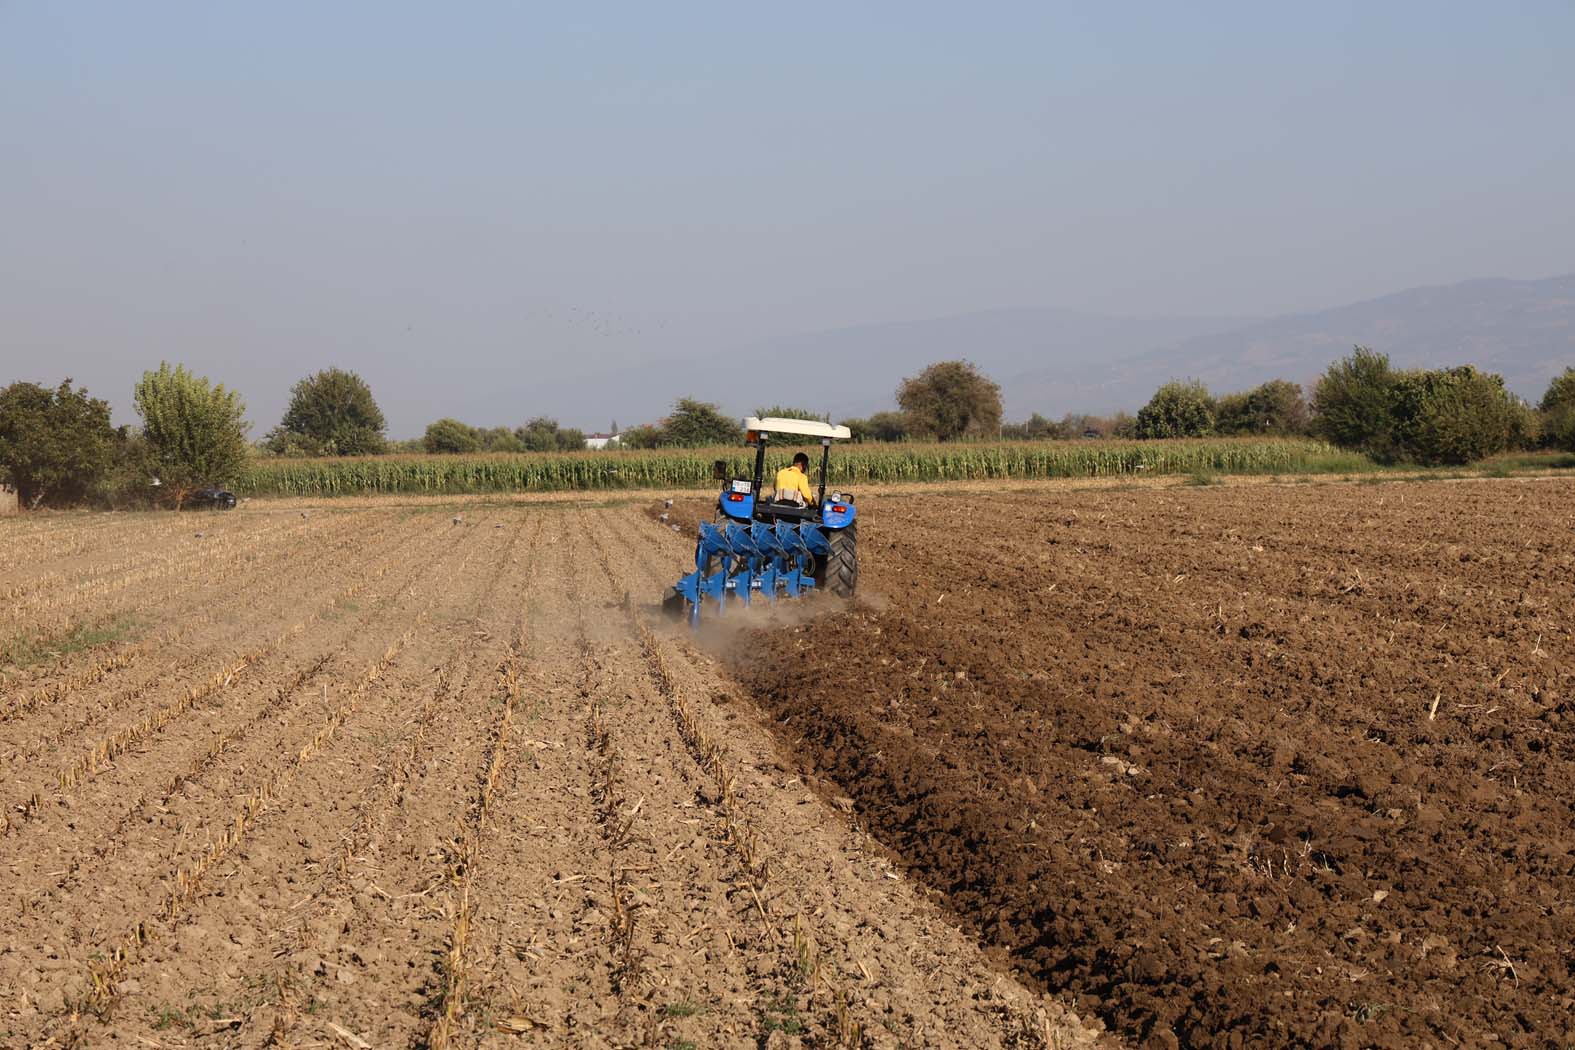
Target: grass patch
{"x":23,"y":651}
{"x":781,"y":1015}
{"x":682,"y":1009}
{"x":1203,"y":477}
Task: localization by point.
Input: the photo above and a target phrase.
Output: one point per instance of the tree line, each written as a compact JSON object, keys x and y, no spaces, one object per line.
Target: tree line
{"x":58,"y":446}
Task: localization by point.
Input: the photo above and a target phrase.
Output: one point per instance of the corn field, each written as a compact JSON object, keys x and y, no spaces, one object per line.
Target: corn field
{"x":850,"y":465}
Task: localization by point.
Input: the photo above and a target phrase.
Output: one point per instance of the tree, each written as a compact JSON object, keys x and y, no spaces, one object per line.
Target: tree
{"x":1352,"y":405}
{"x":780,"y":412}
{"x":1275,"y":407}
{"x":55,"y":445}
{"x":882,"y":426}
{"x":1178,"y":409}
{"x":1036,"y":428}
{"x":951,"y":400}
{"x":545,"y":435}
{"x":697,"y":423}
{"x":643,"y":436}
{"x":450,"y":435}
{"x":500,"y":439}
{"x":1558,"y":412}
{"x":1561,"y":392}
{"x":195,"y":430}
{"x":331,"y":413}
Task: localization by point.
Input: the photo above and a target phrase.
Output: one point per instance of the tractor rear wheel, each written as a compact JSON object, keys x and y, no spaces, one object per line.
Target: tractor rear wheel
{"x":842,"y":564}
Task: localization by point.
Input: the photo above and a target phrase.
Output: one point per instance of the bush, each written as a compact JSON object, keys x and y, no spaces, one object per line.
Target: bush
{"x":545,"y":435}
{"x":1275,"y":408}
{"x":195,"y":430}
{"x":330,"y":413}
{"x":1428,"y":416}
{"x":57,"y":445}
{"x":1453,"y":415}
{"x":450,"y":435}
{"x":1037,"y":428}
{"x":950,"y":400}
{"x":1177,"y":410}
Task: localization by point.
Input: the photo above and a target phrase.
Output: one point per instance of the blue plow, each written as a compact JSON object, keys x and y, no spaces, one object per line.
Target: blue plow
{"x":756,"y":560}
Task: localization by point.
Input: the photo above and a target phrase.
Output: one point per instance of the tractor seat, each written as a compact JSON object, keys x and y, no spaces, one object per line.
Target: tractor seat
{"x":791,"y":510}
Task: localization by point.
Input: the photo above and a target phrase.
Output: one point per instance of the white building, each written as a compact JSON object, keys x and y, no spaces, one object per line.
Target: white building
{"x":601,"y":440}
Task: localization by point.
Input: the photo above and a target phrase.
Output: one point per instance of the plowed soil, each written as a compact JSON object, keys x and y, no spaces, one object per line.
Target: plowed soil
{"x":1279,"y":766}
{"x":400,"y":777}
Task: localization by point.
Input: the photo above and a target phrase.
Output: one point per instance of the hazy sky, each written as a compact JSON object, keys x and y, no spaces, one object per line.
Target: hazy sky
{"x":477,"y":205}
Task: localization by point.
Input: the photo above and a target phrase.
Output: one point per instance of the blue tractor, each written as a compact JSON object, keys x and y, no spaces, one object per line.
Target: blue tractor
{"x":770,"y":548}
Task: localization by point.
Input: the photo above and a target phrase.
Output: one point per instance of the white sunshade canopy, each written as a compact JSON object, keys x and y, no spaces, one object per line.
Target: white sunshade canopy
{"x":804,"y":427}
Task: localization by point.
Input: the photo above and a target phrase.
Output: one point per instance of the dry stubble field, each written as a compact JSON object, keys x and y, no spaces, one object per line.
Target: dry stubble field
{"x":370,"y":778}
{"x":1278,"y":765}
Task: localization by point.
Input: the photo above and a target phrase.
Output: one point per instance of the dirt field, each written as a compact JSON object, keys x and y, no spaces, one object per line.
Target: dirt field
{"x":1239,"y":766}
{"x":1278,"y":766}
{"x":368,"y":777}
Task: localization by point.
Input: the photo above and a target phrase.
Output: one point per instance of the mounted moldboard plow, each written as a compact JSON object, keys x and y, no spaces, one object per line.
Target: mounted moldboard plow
{"x":769,"y":550}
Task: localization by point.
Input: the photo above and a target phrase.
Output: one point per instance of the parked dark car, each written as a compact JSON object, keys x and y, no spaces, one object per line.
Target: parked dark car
{"x":213,"y":497}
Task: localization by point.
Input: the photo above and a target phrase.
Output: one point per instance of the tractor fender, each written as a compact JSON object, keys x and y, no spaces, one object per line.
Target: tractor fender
{"x":837,"y":515}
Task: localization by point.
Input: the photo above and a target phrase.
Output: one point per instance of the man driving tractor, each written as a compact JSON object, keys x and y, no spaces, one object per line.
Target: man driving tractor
{"x":793,"y":482}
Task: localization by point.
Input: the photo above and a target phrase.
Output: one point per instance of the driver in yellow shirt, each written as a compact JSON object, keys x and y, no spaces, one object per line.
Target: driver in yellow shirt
{"x":793,"y":482}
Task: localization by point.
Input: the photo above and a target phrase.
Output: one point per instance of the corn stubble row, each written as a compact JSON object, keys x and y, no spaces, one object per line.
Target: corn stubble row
{"x":850,"y":465}
{"x":710,"y":757}
{"x":108,"y":966}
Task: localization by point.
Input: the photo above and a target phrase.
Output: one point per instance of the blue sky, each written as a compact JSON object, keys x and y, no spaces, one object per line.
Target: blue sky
{"x":483,"y":206}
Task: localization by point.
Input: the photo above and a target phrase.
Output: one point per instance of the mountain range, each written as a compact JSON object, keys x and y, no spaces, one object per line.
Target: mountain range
{"x":1056,"y":361}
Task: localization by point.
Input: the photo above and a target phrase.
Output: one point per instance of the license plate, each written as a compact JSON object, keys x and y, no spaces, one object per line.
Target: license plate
{"x":741,"y":487}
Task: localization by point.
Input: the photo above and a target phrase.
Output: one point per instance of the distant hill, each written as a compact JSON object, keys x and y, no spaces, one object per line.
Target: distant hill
{"x":1058,"y":361}
{"x":1524,"y":330}
{"x":855,"y":371}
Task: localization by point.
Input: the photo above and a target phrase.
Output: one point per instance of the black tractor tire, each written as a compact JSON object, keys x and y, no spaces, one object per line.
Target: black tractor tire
{"x":842,"y":564}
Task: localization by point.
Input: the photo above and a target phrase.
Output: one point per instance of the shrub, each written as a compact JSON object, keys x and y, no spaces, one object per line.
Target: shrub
{"x":195,"y":430}
{"x":55,"y":445}
{"x":1274,"y":408}
{"x":1177,"y":409}
{"x":450,"y":435}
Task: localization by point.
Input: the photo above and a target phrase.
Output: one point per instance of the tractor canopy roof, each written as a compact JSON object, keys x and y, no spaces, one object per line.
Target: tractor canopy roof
{"x":799,"y":427}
